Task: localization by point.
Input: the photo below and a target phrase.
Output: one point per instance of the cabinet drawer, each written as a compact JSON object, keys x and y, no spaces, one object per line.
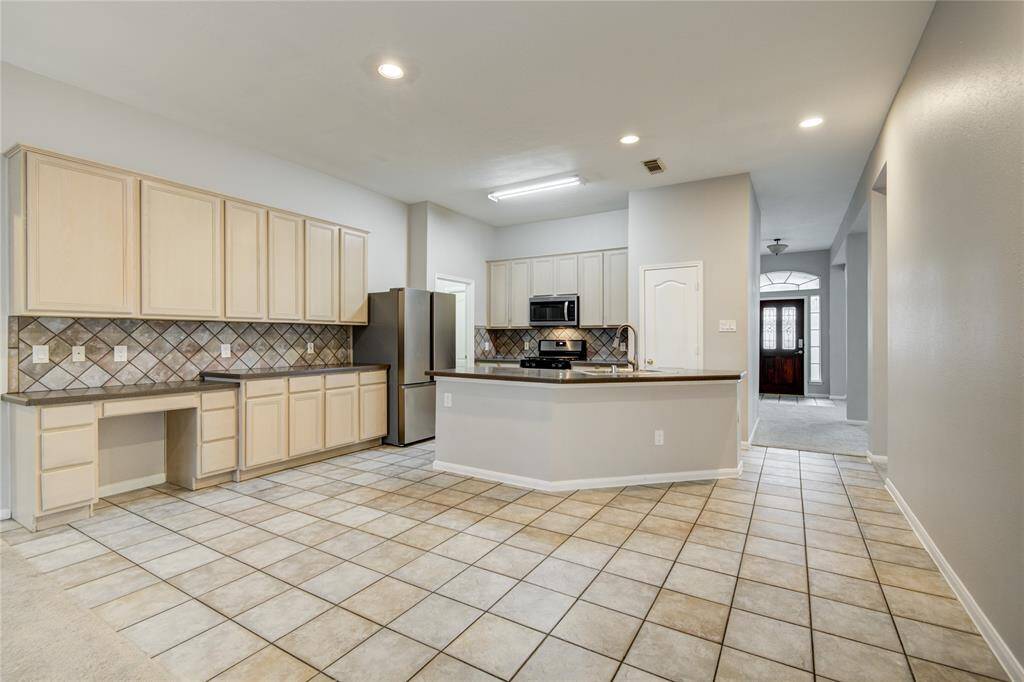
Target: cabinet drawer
{"x":341,"y":380}
{"x":219,"y":456}
{"x":301,"y":384}
{"x":255,"y":389}
{"x":378,"y":377}
{"x":218,"y":400}
{"x":219,"y":424}
{"x":66,"y":487}
{"x":67,"y":415}
{"x":117,"y":408}
{"x":70,"y":446}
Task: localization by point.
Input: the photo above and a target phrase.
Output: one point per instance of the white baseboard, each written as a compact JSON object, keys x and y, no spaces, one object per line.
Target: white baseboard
{"x":988,"y":631}
{"x":837,"y":397}
{"x":877,"y":459}
{"x":586,"y":483}
{"x":5,"y":514}
{"x":858,"y":422}
{"x":132,"y":484}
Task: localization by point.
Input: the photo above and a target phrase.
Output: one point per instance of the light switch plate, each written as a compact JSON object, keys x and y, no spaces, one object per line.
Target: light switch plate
{"x":727,"y":325}
{"x":120,"y":353}
{"x":526,"y":345}
{"x":623,"y":347}
{"x":77,"y":353}
{"x":40,"y":354}
{"x":225,"y":350}
{"x":447,"y":399}
{"x":659,"y":437}
{"x":309,"y":346}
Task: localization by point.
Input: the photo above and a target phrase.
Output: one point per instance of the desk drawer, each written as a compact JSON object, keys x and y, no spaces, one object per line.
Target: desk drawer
{"x":219,"y":424}
{"x":69,"y":446}
{"x":256,"y":389}
{"x":117,"y":408}
{"x":67,"y":487}
{"x":219,"y":456}
{"x":341,"y":380}
{"x":67,"y":415}
{"x":218,"y":400}
{"x":378,"y":377}
{"x":302,"y":384}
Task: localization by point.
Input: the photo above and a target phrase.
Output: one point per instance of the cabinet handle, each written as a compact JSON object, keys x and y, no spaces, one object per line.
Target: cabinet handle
{"x":650,"y":361}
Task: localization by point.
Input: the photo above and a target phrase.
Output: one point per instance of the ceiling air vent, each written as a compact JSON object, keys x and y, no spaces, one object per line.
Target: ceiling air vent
{"x":654,"y":166}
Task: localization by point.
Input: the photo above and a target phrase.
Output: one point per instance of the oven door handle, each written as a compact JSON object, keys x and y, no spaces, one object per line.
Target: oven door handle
{"x":566,"y":316}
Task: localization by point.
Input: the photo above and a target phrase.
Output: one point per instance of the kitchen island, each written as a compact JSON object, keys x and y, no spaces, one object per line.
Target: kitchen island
{"x":587,"y":428}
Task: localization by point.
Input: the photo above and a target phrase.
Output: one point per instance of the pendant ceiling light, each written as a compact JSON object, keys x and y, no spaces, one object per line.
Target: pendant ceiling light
{"x":778,"y":247}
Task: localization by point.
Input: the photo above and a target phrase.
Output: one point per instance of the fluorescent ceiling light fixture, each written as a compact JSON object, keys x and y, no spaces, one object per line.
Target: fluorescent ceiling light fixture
{"x":559,"y":183}
{"x":812,"y":122}
{"x":391,"y":71}
{"x":629,"y":139}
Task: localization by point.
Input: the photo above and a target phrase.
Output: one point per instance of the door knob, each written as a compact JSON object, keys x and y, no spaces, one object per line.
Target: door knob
{"x":650,"y":361}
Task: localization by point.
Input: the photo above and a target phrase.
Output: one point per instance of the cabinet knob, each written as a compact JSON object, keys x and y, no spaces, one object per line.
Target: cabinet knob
{"x":650,"y":361}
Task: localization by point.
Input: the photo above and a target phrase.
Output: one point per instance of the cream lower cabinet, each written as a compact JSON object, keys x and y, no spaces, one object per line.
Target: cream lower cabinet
{"x":305,"y":415}
{"x":373,"y":405}
{"x":341,"y":410}
{"x":266,"y":422}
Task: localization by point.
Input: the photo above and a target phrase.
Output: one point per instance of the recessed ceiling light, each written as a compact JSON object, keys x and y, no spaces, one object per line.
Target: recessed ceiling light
{"x":629,"y":139}
{"x":812,"y":122}
{"x":391,"y":71}
{"x":558,"y":183}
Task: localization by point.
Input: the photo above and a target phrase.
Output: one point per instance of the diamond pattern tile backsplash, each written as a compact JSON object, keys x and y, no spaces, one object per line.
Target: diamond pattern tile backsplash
{"x":508,"y":343}
{"x":159,"y":350}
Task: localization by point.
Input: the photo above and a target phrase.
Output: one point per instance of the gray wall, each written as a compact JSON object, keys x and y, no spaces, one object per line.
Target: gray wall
{"x":857,"y":326}
{"x":952,"y":146}
{"x":837,"y":331}
{"x":815,"y":263}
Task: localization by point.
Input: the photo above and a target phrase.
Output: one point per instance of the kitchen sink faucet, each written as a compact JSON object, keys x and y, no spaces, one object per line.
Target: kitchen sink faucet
{"x":632,"y":363}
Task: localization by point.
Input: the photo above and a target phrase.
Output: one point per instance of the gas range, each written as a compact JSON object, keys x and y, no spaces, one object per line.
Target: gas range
{"x":537,"y":362}
{"x":556,"y":354}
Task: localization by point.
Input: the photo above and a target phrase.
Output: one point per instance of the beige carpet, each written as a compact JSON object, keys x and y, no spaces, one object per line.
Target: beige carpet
{"x":809,"y":427}
{"x":45,"y":635}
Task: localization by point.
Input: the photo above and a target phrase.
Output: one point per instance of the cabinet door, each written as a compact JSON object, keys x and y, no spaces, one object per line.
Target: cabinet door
{"x":373,"y":411}
{"x":542,"y":277}
{"x":266,"y":430}
{"x":245,"y":261}
{"x":305,"y":423}
{"x":182,"y":252}
{"x":341,"y":416}
{"x":591,"y":289}
{"x":76,"y":241}
{"x":565,"y":275}
{"x":616,"y":288}
{"x":497,"y":295}
{"x":519,"y":293}
{"x":285,"y":271}
{"x":321,"y":272}
{"x":354,"y":251}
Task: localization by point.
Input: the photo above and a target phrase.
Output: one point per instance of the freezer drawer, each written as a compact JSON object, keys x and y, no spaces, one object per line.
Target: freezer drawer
{"x":416,"y":405}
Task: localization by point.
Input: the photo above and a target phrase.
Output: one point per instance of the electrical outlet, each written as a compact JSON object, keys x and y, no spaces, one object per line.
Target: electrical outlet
{"x":40,"y":354}
{"x":225,"y":350}
{"x":77,"y":353}
{"x":309,"y":346}
{"x":447,"y":399}
{"x":487,"y":345}
{"x":120,"y":353}
{"x":623,"y":347}
{"x":659,"y":437}
{"x":727,"y":325}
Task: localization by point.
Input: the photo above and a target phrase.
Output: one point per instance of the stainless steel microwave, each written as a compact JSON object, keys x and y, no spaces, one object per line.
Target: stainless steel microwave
{"x":554,"y":311}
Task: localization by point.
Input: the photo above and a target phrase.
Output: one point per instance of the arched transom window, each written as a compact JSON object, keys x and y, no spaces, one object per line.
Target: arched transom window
{"x":789,"y":280}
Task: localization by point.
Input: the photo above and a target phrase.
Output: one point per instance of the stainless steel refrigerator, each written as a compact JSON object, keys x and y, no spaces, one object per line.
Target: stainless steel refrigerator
{"x":413,"y":331}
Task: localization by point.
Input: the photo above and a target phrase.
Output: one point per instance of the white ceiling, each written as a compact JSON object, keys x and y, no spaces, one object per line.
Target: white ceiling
{"x":501,"y":93}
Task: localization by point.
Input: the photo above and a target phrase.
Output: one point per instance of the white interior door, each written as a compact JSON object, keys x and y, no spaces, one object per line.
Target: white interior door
{"x":464,"y":330}
{"x":671,"y":317}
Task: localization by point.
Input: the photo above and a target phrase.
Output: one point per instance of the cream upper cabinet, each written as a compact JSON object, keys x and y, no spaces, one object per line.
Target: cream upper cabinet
{"x":341,"y":416}
{"x":591,"y":289}
{"x":519,"y":293}
{"x":373,"y":411}
{"x":75,"y":236}
{"x":616,"y":287}
{"x":182,"y":252}
{"x":542,"y":277}
{"x":321,"y":272}
{"x":286,"y":266}
{"x":245,"y":261}
{"x":354,"y":306}
{"x":497,"y":295}
{"x":566,"y":275}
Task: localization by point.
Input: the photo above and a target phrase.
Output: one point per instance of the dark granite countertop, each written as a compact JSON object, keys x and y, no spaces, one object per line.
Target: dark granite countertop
{"x":88,"y":395}
{"x":555,"y":376}
{"x":575,"y":363}
{"x":293,"y":371}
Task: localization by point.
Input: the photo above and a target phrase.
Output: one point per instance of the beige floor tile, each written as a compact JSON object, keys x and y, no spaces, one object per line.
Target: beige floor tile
{"x":477,"y":587}
{"x":538,"y":540}
{"x":511,"y":561}
{"x":898,"y":554}
{"x":327,"y":637}
{"x":771,"y":601}
{"x":928,"y":608}
{"x":715,"y":537}
{"x":533,"y":606}
{"x":90,"y":569}
{"x":482,"y":505}
{"x":607,"y":533}
{"x":777,"y":550}
{"x":864,"y":593}
{"x":621,"y":594}
{"x":558,"y":660}
{"x":465,"y":548}
{"x":155,"y":548}
{"x":664,"y":526}
{"x":494,"y":529}
{"x":711,"y":558}
{"x":341,"y":582}
{"x":854,"y":622}
{"x":599,"y":629}
{"x":690,"y":614}
{"x":269,"y":552}
{"x":350,"y":544}
{"x":444,"y":668}
{"x":843,"y":564}
{"x":773,"y":639}
{"x":140,"y":605}
{"x":67,"y":556}
{"x":281,"y":614}
{"x":172,"y":627}
{"x":425,"y":536}
{"x":132,"y":536}
{"x":848,"y":661}
{"x":430,"y":571}
{"x":436,"y":621}
{"x":387,"y":557}
{"x":210,"y":576}
{"x":102,"y":590}
{"x":562,"y":576}
{"x":303,"y":566}
{"x":389,"y":525}
{"x":385,"y":657}
{"x":539,"y":500}
{"x":892,"y":535}
{"x":495,"y":645}
{"x":212,"y":529}
{"x":643,"y":567}
{"x":835,"y":542}
{"x":739,"y":666}
{"x":778,"y":573}
{"x":585,"y":552}
{"x":456,"y":519}
{"x":243,"y":594}
{"x":949,"y":647}
{"x":700,"y":582}
{"x":236,"y":541}
{"x":619,"y":517}
{"x":43,"y":543}
{"x":911,"y":578}
{"x":385,"y":600}
{"x":356,"y":516}
{"x":672,"y":654}
{"x":211,"y":652}
{"x":269,"y":663}
{"x":777,"y":531}
{"x":929,"y":671}
{"x":316,"y":532}
{"x":628,"y":673}
{"x":736,"y":524}
{"x":558,"y":523}
{"x":517,"y":513}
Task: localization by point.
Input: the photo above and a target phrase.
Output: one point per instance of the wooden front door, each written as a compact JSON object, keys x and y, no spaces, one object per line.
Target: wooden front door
{"x":782,"y":346}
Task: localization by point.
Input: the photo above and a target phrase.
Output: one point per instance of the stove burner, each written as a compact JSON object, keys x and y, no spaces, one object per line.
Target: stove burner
{"x":545,"y":363}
